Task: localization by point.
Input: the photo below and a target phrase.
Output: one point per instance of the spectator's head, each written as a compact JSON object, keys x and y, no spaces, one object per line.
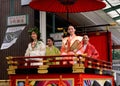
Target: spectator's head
{"x":95,"y":83}
{"x":107,"y":83}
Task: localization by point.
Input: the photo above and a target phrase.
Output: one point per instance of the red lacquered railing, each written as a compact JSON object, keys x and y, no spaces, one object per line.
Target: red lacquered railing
{"x":78,"y":63}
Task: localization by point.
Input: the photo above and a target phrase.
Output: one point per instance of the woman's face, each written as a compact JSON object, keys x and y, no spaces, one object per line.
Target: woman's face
{"x":34,"y":36}
{"x":71,"y":30}
{"x":85,"y":39}
{"x":49,"y":42}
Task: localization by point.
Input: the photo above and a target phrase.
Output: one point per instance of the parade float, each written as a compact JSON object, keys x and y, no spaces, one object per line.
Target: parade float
{"x":85,"y":71}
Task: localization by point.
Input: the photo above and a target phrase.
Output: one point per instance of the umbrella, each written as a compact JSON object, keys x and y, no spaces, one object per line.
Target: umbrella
{"x":67,"y":6}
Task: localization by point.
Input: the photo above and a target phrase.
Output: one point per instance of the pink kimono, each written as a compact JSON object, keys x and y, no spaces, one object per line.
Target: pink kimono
{"x":71,"y":46}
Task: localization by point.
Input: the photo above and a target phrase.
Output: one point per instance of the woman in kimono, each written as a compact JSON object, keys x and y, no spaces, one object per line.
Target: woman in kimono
{"x":71,"y":44}
{"x":52,"y":50}
{"x":88,"y":49}
{"x":36,"y":47}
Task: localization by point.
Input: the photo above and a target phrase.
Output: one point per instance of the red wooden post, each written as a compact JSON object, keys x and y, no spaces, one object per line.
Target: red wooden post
{"x":27,"y":82}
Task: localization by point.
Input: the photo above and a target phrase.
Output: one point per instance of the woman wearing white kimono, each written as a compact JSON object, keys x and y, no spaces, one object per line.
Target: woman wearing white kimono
{"x":35,"y":47}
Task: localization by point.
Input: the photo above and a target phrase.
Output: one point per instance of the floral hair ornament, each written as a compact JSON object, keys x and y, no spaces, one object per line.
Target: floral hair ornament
{"x":34,"y":29}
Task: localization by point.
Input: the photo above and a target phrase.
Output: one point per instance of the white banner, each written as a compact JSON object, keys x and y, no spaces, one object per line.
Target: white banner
{"x":11,"y":36}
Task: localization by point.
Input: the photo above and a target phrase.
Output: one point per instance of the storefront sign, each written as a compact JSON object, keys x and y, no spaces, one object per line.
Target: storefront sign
{"x":17,"y":20}
{"x":56,"y":36}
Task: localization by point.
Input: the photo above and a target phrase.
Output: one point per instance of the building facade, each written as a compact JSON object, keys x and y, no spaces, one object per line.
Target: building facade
{"x":13,"y":8}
